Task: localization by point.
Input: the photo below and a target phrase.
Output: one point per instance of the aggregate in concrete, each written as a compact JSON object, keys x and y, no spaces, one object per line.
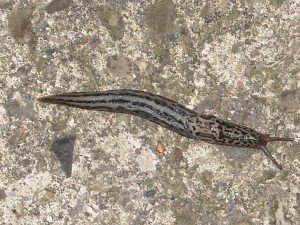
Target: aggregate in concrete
{"x":236,"y":59}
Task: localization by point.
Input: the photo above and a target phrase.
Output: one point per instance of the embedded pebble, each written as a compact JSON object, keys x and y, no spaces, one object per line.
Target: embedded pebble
{"x":147,"y":161}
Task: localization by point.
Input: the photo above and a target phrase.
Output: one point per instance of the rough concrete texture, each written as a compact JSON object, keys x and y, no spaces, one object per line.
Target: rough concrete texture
{"x":236,"y":59}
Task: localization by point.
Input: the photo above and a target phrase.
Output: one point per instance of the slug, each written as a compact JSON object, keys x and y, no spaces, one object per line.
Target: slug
{"x":169,"y":114}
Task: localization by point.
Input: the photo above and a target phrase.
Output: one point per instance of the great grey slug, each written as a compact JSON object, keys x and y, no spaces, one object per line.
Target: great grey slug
{"x":169,"y":114}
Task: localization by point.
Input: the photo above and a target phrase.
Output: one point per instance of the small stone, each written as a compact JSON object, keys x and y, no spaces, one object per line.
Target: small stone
{"x":298,"y":198}
{"x":6,"y":4}
{"x":150,"y":193}
{"x":14,"y":108}
{"x":113,"y":21}
{"x":269,"y":174}
{"x":259,"y":66}
{"x":160,"y":17}
{"x":23,"y":70}
{"x":212,"y":101}
{"x":178,"y":155}
{"x":289,"y":101}
{"x":235,"y":47}
{"x":118,"y":65}
{"x":147,"y":161}
{"x":2,"y":194}
{"x":63,"y":149}
{"x":20,"y":27}
{"x":206,"y":177}
{"x":57,"y":5}
{"x":195,"y":28}
{"x":160,"y":147}
{"x":141,"y":65}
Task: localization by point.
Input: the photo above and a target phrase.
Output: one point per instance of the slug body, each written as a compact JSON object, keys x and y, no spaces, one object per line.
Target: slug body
{"x":169,"y":114}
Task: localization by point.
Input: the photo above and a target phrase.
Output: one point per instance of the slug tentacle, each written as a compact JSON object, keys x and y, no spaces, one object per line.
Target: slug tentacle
{"x":279,"y":139}
{"x":268,"y":154}
{"x":169,"y":114}
{"x":262,"y":146}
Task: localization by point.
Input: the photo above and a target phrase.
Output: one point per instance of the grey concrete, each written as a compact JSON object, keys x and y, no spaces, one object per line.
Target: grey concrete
{"x":236,"y":59}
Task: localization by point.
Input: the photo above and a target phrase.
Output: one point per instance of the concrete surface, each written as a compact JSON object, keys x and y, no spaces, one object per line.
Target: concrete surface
{"x":236,"y":59}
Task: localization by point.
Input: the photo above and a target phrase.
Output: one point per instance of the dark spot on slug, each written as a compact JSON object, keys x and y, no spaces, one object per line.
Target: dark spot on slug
{"x":169,"y":114}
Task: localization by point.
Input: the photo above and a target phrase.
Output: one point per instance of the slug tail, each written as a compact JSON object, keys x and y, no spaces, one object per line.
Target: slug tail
{"x":46,"y":100}
{"x":53,"y":99}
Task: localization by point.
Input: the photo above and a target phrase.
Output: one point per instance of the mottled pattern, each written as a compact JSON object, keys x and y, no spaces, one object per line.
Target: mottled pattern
{"x":162,"y":111}
{"x":216,"y":131}
{"x":169,"y":114}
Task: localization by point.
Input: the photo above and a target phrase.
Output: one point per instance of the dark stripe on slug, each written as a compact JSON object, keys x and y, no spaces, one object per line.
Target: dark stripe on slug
{"x":160,"y":100}
{"x":138,"y":102}
{"x":119,"y":103}
{"x":202,"y":134}
{"x":103,"y":108}
{"x":169,"y":114}
{"x":111,"y":93}
{"x":104,"y":101}
{"x":158,"y":112}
